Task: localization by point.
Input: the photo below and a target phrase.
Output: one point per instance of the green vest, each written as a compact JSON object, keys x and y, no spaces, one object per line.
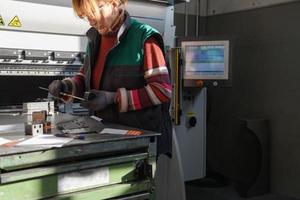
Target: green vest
{"x":124,"y":69}
{"x":124,"y":63}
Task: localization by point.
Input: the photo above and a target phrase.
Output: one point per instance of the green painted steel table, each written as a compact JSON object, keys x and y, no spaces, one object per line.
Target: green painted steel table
{"x":102,"y":166}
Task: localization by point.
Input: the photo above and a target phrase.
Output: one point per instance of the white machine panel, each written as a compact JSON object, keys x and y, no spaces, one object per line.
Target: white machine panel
{"x":36,"y":17}
{"x":65,"y":31}
{"x":41,"y":41}
{"x":154,"y":16}
{"x":160,"y":16}
{"x":192,"y":140}
{"x":41,"y":27}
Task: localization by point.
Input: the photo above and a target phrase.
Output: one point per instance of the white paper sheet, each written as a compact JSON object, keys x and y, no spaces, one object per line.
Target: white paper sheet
{"x":45,"y":140}
{"x":4,"y":141}
{"x":114,"y":131}
{"x":96,"y":118}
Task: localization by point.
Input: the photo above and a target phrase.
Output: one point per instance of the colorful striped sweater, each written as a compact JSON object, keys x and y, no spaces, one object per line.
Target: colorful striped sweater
{"x":157,"y":89}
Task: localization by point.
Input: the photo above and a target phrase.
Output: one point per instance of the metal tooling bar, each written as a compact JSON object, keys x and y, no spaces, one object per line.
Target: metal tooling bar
{"x":18,"y":62}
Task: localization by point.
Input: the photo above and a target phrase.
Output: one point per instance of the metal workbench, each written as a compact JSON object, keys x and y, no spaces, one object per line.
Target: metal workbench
{"x":102,"y":166}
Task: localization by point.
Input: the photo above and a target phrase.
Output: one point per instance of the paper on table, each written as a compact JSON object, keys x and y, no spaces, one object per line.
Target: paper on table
{"x":45,"y":140}
{"x":96,"y":118}
{"x":114,"y":131}
{"x":4,"y":141}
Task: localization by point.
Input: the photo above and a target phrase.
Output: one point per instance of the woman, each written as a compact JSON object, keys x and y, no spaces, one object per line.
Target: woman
{"x":124,"y":70}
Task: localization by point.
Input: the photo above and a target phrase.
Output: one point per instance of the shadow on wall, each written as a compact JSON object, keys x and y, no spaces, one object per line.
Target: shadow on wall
{"x":245,"y":157}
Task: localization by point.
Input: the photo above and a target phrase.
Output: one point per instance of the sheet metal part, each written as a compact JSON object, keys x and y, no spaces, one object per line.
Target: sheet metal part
{"x":30,"y":107}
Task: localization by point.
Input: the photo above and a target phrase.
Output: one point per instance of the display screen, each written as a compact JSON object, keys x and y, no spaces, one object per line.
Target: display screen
{"x":206,"y":59}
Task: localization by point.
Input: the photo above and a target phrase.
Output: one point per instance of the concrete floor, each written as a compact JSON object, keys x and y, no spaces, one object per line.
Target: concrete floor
{"x":195,"y":192}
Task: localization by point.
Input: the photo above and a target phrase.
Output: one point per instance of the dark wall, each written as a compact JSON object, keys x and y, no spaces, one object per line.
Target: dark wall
{"x":265,"y":84}
{"x":179,"y":20}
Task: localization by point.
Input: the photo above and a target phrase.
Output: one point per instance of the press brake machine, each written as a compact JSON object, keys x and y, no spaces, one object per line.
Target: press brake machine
{"x":41,"y":41}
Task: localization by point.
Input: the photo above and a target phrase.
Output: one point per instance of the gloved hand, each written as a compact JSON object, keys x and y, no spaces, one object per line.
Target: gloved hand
{"x":56,"y":87}
{"x":98,"y":100}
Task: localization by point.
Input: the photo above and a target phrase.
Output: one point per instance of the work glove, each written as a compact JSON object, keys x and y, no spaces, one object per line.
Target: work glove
{"x":56,"y":87}
{"x":98,"y":100}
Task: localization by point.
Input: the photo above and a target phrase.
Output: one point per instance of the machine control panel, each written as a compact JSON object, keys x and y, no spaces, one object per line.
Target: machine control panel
{"x":18,"y":62}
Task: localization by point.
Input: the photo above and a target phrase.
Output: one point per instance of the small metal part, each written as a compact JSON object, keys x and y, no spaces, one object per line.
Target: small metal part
{"x":47,"y":127}
{"x":39,"y":116}
{"x":33,"y":129}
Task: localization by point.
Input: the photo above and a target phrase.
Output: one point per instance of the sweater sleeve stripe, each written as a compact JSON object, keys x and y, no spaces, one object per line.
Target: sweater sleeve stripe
{"x":162,"y":88}
{"x":162,"y":78}
{"x":159,"y":94}
{"x":144,"y":98}
{"x":151,"y":94}
{"x":156,"y":71}
{"x":136,"y":105}
{"x":79,"y":82}
{"x":123,"y":102}
{"x":76,"y":84}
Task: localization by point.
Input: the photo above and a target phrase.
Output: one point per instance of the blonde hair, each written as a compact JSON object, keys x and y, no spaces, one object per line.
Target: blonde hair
{"x":90,"y":8}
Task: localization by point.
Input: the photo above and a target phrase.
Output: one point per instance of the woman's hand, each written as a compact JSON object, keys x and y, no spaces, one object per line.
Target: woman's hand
{"x":98,"y":100}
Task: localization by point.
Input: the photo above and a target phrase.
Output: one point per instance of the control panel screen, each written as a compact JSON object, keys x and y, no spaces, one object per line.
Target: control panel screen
{"x":206,"y":59}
